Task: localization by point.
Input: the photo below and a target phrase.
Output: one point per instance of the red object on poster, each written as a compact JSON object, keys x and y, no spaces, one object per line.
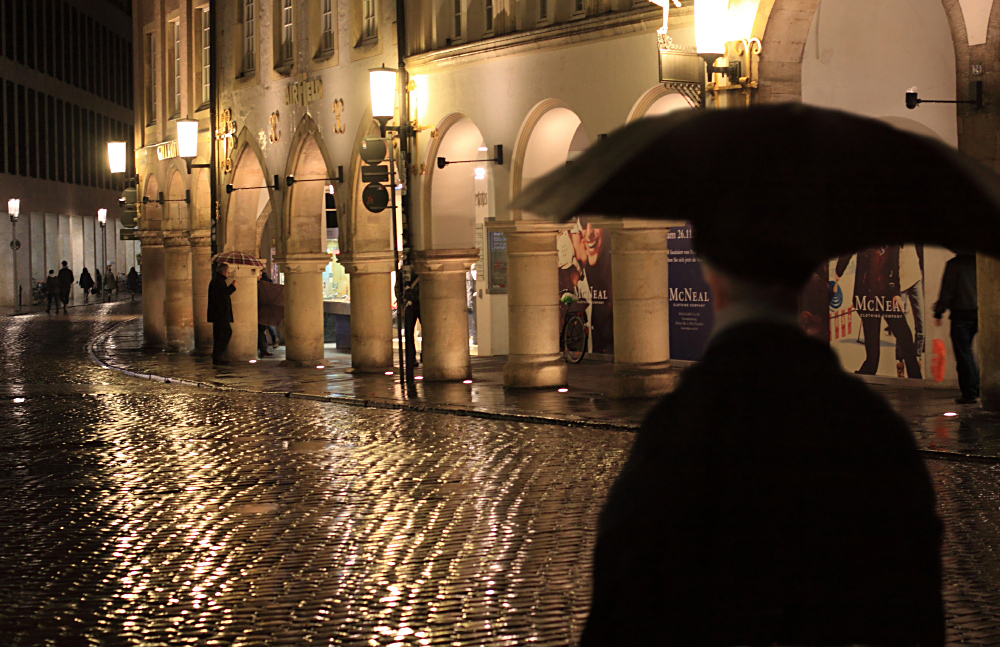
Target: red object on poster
{"x":937,"y":360}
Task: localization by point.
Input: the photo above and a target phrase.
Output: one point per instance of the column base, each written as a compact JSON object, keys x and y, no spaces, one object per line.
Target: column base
{"x":534,"y":371}
{"x":303,"y":363}
{"x":447,"y":373}
{"x":642,"y":380}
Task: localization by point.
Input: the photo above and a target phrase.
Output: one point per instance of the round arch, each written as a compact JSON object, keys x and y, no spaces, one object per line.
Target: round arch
{"x":450,"y":206}
{"x":657,"y":101}
{"x":550,"y":135}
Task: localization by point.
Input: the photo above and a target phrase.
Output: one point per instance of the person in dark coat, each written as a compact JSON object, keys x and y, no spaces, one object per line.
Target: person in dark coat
{"x":98,"y":282}
{"x":87,"y":283}
{"x":66,"y":280}
{"x":958,"y":294}
{"x":132,"y":282}
{"x":52,"y":291}
{"x":770,"y":499}
{"x":220,"y":312}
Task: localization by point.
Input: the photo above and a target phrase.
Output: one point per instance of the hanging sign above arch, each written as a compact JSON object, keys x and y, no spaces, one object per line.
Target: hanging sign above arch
{"x":303,"y":92}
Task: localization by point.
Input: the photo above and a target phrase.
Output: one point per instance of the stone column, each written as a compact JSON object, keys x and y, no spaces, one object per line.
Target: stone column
{"x":444,"y":312}
{"x":988,"y":339}
{"x":642,"y":339}
{"x":533,"y":311}
{"x":371,"y":310}
{"x":179,"y":306}
{"x":304,"y":307}
{"x":243,"y":345}
{"x":154,"y":290}
{"x":201,"y":276}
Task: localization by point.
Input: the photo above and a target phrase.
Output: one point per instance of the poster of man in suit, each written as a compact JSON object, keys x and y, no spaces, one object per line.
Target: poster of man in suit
{"x":584,"y":253}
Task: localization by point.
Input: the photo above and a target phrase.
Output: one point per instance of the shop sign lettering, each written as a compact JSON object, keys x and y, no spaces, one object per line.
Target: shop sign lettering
{"x":166,"y":150}
{"x":303,"y":92}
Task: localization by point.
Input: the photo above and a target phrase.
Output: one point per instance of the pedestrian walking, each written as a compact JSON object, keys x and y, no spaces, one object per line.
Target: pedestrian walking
{"x":87,"y":283}
{"x":220,"y":312}
{"x":132,"y":282}
{"x":98,"y":283}
{"x":52,"y":291}
{"x":770,"y":499}
{"x":958,"y":294}
{"x":110,"y":284}
{"x":66,"y":280}
{"x":262,"y":321}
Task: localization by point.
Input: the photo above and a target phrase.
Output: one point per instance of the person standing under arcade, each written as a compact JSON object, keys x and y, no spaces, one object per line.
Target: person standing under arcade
{"x":220,"y":312}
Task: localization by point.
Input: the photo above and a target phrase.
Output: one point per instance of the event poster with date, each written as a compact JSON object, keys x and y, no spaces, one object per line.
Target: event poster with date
{"x":690,"y":301}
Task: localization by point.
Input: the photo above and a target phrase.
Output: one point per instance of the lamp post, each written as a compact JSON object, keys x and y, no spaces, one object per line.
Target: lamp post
{"x":383,"y":84}
{"x":102,"y":218}
{"x":14,"y":210}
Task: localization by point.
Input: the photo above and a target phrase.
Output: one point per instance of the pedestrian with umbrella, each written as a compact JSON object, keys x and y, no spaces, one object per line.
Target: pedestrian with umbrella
{"x":772,"y":498}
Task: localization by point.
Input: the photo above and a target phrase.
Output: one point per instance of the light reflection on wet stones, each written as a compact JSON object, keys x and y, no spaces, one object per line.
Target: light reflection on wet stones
{"x":138,"y":513}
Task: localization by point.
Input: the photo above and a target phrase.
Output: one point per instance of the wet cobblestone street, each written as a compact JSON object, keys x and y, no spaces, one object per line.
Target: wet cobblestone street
{"x":140,"y":513}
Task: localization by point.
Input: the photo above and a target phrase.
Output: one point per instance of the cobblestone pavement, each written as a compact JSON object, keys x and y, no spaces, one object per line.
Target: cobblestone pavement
{"x":150,"y":514}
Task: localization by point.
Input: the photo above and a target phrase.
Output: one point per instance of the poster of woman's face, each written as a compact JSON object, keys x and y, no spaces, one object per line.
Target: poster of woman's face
{"x":584,"y":253}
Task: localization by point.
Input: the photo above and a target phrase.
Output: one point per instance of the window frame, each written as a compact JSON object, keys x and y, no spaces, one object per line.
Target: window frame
{"x":489,"y":17}
{"x":149,"y":45}
{"x":287,"y":46}
{"x":369,"y":21}
{"x":206,"y":56}
{"x":248,"y":49}
{"x":176,"y":101}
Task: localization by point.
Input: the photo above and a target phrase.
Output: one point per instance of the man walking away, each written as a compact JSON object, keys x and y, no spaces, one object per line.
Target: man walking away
{"x":958,"y":294}
{"x":65,"y":285}
{"x":52,"y":291}
{"x":87,"y":283}
{"x":220,"y":312}
{"x":110,"y":284}
{"x":132,"y":282}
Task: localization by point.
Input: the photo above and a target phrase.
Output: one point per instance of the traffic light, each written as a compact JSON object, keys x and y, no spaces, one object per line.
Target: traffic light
{"x":130,"y":207}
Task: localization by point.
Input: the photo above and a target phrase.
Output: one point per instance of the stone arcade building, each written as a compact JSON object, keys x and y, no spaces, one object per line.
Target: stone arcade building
{"x":541,"y":78}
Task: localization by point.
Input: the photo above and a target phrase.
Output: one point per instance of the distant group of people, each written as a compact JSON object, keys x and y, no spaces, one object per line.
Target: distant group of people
{"x":59,"y":286}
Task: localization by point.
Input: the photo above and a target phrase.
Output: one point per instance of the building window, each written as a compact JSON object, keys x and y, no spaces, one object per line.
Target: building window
{"x":543,"y":10}
{"x":578,"y":8}
{"x":457,"y":15}
{"x":287,"y":43}
{"x":488,"y":12}
{"x":206,"y":57}
{"x":175,"y":108}
{"x":370,"y":27}
{"x":150,"y":79}
{"x":249,"y":53}
{"x":326,"y":39}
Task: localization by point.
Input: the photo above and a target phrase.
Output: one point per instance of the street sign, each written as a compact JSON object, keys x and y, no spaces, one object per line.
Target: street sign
{"x":373,"y":150}
{"x":128,"y":234}
{"x":375,"y":197}
{"x":378,"y":173}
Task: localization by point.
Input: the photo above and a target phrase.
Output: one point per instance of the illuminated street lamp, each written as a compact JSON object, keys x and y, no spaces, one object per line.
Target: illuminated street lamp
{"x":187,"y":142}
{"x":102,"y":218}
{"x":14,"y":210}
{"x":382,"y":85}
{"x":116,"y":156}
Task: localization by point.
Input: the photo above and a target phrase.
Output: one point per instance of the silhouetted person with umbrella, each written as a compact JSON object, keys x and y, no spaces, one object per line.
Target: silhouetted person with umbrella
{"x":771,"y":498}
{"x":958,"y":294}
{"x":220,"y":312}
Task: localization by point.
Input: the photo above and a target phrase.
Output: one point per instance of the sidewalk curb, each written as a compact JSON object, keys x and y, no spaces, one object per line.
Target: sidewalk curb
{"x":377,"y":403}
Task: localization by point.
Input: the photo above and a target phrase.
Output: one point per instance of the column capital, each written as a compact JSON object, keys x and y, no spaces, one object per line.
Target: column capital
{"x":302,"y":263}
{"x":445,"y":260}
{"x":176,"y":238}
{"x":201,"y":238}
{"x":367,"y":262}
{"x":150,"y":238}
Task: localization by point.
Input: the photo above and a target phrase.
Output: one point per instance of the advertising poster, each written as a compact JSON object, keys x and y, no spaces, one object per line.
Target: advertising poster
{"x":584,"y":255}
{"x":877,"y":311}
{"x":690,"y":302}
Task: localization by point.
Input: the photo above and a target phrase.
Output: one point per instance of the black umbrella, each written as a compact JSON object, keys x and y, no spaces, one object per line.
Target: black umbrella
{"x":775,"y":190}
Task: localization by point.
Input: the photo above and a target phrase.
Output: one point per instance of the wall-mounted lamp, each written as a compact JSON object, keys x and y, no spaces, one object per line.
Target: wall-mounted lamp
{"x":159,"y":199}
{"x":275,"y":186}
{"x":975,"y":92}
{"x":187,"y":143}
{"x":13,"y":209}
{"x":691,"y":70}
{"x":382,"y":87}
{"x":497,"y":158}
